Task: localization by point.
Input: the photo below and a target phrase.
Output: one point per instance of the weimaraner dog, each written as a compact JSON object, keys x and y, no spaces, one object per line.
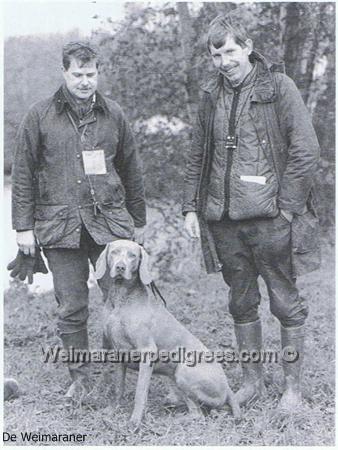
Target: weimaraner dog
{"x":135,"y":319}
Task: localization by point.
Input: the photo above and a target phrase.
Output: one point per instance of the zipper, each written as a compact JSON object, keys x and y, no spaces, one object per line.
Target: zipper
{"x":230,"y":150}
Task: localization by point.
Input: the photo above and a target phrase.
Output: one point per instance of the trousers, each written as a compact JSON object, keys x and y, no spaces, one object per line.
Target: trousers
{"x":249,"y":248}
{"x":70,"y":270}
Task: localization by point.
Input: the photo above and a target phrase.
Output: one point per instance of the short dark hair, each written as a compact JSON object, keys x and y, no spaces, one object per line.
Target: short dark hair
{"x":82,"y":51}
{"x":224,"y":26}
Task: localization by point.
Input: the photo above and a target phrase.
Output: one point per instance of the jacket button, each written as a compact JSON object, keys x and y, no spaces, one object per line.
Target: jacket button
{"x":79,"y":181}
{"x":78,"y":155}
{"x":263,"y":141}
{"x":80,"y":207}
{"x":78,"y":230}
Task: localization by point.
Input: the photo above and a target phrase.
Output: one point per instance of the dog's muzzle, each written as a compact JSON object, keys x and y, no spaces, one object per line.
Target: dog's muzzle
{"x":120,"y":270}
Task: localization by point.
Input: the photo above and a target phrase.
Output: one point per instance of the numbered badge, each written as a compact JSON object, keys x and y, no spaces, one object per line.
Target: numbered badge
{"x":94,"y":162}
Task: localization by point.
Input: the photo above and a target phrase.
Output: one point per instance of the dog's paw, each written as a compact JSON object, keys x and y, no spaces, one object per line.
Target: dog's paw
{"x":237,"y":413}
{"x":172,"y":401}
{"x":134,"y":423}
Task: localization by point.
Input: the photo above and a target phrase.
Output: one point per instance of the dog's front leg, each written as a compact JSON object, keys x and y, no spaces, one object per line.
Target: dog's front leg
{"x":142,"y":388}
{"x":120,"y":382}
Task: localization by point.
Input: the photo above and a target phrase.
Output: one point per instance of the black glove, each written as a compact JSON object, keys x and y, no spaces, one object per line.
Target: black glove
{"x":24,"y":266}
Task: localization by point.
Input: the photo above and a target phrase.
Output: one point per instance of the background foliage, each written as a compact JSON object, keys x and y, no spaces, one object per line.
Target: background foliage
{"x":153,"y":62}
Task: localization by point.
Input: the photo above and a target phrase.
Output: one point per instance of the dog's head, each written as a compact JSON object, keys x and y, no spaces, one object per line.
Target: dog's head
{"x":125,"y":260}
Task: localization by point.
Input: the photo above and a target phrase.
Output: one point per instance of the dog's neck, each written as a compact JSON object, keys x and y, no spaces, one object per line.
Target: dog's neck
{"x":127,"y":293}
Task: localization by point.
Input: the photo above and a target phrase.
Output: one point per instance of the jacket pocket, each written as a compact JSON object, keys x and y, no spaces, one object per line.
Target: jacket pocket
{"x":109,"y":190}
{"x":305,"y":232}
{"x":50,"y":223}
{"x":249,"y":200}
{"x":305,"y":243}
{"x":118,"y":220}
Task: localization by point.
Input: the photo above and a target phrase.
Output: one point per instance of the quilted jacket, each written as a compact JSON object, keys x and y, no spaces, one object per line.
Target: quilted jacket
{"x":287,"y":137}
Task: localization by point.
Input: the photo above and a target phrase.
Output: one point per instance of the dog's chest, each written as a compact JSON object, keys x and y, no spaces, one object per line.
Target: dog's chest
{"x":123,"y":328}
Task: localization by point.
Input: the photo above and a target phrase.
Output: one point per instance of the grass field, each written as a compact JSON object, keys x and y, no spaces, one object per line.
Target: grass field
{"x":200,"y":302}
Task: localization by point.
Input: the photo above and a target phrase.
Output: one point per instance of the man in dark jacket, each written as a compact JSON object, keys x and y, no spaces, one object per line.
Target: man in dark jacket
{"x":77,"y":185}
{"x":248,"y":194}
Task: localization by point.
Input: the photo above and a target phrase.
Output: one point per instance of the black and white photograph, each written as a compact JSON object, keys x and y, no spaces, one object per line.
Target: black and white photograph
{"x":168,"y":223}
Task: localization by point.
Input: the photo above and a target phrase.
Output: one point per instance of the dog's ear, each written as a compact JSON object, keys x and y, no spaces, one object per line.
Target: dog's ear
{"x":144,"y":273}
{"x":101,"y":264}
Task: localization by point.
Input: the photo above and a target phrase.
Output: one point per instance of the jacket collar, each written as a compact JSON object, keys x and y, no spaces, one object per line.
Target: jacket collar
{"x":264,"y":90}
{"x":60,"y":102}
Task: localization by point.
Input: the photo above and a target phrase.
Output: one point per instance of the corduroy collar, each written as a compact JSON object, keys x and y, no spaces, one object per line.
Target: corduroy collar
{"x":61,"y":101}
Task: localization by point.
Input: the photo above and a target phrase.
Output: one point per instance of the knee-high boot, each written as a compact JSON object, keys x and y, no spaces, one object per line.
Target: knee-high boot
{"x":292,"y":337}
{"x":249,"y":338}
{"x":79,"y":369}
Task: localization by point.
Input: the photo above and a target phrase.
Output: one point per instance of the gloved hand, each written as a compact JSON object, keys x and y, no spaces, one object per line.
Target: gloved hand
{"x":24,"y":266}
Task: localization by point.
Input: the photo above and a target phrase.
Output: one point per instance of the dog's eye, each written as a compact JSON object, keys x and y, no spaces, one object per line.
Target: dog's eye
{"x":131,"y":255}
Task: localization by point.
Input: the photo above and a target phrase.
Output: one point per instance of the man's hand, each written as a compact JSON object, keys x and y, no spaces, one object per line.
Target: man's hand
{"x":26,"y":242}
{"x":287,"y":214}
{"x":139,"y":235}
{"x":192,"y":226}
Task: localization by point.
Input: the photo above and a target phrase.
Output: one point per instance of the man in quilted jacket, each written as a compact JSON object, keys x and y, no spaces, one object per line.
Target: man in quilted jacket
{"x":76,"y":185}
{"x":248,"y":195}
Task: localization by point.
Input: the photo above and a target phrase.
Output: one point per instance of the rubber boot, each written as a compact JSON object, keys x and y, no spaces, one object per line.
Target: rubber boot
{"x":79,"y":371}
{"x":293,"y":338}
{"x":249,"y":338}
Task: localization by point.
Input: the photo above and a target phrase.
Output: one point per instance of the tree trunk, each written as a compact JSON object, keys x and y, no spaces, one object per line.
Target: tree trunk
{"x":191,"y":80}
{"x":300,"y":44}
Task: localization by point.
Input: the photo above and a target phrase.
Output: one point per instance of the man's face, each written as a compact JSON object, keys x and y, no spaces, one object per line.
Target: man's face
{"x":81,"y":80}
{"x":232,"y":60}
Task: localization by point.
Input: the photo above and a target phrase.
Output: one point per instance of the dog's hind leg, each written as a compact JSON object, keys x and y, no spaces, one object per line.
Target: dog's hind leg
{"x":193,"y":406}
{"x":232,"y":401}
{"x":174,"y":396}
